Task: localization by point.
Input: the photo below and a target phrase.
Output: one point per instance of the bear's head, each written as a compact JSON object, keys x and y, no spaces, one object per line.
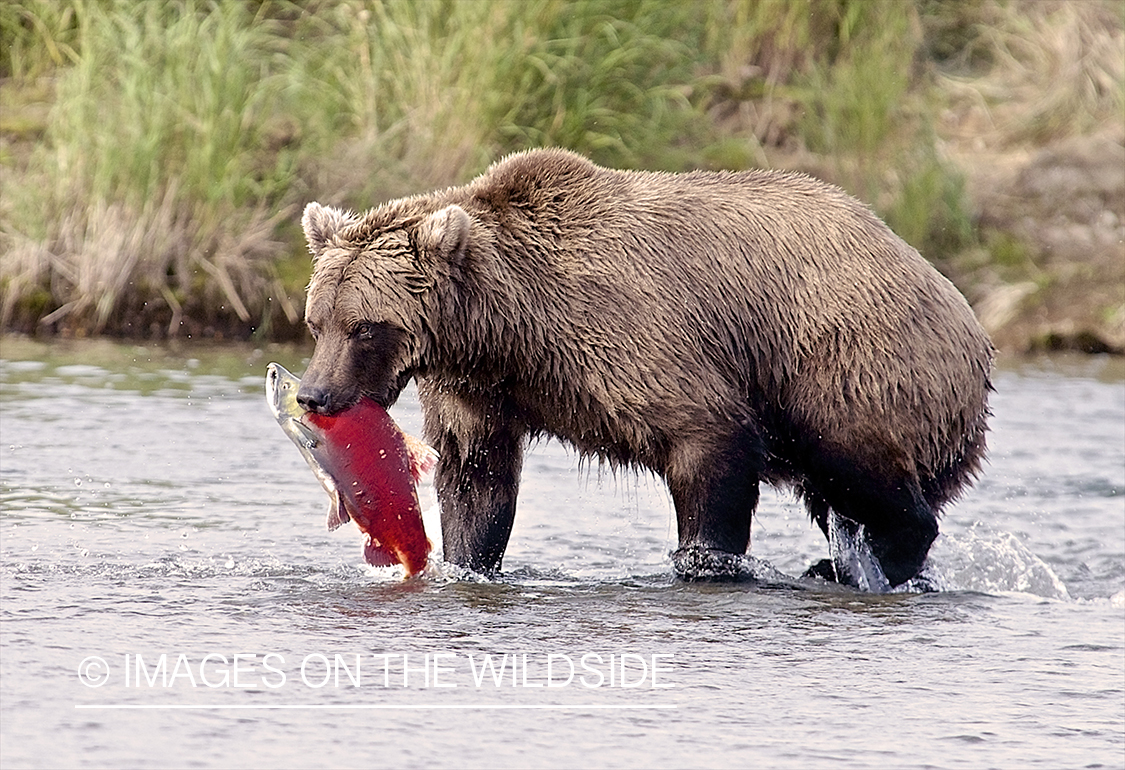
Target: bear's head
{"x":369,"y":300}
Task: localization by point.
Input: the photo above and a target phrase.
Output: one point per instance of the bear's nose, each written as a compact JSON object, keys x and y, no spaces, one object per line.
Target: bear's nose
{"x":314,"y":399}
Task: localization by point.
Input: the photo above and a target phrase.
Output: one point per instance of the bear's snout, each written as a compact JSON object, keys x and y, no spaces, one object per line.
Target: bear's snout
{"x":315,"y":398}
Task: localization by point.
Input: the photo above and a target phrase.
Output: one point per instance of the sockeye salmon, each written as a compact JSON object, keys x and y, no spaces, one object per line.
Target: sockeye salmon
{"x":367,"y":465}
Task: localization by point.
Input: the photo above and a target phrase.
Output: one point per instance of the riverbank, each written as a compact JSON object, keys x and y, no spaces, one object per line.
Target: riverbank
{"x":152,"y":184}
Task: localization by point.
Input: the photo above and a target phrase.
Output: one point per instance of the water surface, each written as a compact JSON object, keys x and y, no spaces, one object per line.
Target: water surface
{"x":160,"y":533}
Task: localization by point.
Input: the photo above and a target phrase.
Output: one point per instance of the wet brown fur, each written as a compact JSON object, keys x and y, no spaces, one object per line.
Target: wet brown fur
{"x":720,"y":329}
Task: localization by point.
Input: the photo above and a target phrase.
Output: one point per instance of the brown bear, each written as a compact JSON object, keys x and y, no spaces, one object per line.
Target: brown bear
{"x":720,"y":329}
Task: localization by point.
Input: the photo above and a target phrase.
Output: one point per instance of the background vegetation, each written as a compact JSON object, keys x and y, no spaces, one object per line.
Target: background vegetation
{"x":155,"y":156}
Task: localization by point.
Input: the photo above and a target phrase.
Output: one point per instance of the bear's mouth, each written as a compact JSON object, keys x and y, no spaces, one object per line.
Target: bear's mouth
{"x":388,"y":395}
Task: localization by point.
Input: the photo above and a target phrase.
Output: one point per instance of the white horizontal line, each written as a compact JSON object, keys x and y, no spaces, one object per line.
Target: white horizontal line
{"x":387,"y":706}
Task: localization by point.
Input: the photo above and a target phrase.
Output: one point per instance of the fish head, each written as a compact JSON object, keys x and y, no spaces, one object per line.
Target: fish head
{"x":281,"y":395}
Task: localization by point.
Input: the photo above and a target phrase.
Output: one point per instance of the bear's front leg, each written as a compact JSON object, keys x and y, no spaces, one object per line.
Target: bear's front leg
{"x":480,"y":455}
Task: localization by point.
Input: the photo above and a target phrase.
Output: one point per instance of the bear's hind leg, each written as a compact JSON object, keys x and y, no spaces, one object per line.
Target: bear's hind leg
{"x":831,"y":569}
{"x":714,"y":508}
{"x":901,"y":539}
{"x":898,"y":528}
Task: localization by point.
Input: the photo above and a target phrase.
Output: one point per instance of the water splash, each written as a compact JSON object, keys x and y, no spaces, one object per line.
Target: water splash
{"x":851,"y":555}
{"x":990,"y":562}
{"x":978,"y":560}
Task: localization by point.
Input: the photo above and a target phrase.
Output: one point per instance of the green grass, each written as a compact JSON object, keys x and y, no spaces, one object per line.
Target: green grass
{"x":152,"y":194}
{"x":37,"y":36}
{"x":159,"y":195}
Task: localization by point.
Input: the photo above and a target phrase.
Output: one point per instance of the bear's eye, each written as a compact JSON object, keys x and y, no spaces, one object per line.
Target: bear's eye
{"x":363,"y":331}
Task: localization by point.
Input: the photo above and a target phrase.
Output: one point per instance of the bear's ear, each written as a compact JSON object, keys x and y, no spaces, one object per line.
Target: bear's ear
{"x":445,"y":234}
{"x":321,"y":223}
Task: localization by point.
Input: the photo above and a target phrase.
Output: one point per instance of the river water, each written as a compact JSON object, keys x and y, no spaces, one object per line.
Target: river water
{"x":172,"y":598}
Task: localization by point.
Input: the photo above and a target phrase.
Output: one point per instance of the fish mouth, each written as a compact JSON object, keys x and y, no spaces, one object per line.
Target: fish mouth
{"x":272,"y":377}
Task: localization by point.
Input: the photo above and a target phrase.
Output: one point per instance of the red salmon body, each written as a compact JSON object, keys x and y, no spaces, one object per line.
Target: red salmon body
{"x":366,"y":454}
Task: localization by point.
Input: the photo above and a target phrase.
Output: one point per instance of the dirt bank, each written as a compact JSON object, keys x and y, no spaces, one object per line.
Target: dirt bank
{"x":1053,"y":220}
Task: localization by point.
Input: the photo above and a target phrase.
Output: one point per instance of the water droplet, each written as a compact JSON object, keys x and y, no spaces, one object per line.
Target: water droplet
{"x":77,"y":482}
{"x":230,"y":563}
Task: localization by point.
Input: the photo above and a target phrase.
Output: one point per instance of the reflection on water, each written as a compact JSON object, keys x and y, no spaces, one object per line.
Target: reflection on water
{"x":153,"y":510}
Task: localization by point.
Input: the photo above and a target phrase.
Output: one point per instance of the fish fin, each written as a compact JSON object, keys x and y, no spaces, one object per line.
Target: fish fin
{"x":337,"y":513}
{"x":422,"y":456}
{"x":377,"y":554}
{"x":307,"y":438}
